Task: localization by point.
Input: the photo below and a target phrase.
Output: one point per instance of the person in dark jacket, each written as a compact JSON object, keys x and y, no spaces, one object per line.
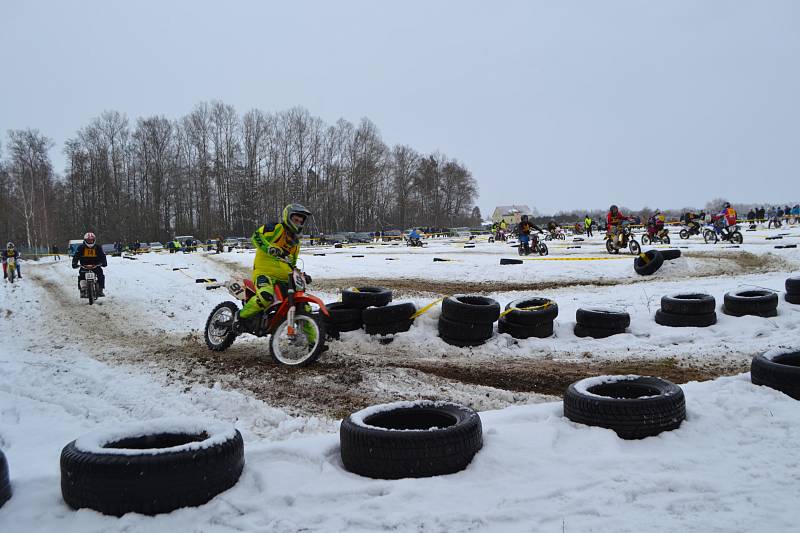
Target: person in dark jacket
{"x":90,"y":256}
{"x":524,"y":232}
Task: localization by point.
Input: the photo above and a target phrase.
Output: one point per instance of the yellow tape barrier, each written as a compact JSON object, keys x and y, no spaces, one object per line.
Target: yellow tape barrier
{"x":532,"y":308}
{"x":574,"y":258}
{"x":428,"y":307}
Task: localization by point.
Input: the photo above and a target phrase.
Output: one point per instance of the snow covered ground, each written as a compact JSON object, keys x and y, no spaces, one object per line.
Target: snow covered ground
{"x":67,"y":368}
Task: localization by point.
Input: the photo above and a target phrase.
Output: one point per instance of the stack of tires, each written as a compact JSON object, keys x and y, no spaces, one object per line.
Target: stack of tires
{"x":468,"y":320}
{"x":759,"y":302}
{"x":5,"y":484}
{"x":687,"y":310}
{"x":347,"y":315}
{"x":779,"y":370}
{"x":529,"y":317}
{"x":792,"y":290}
{"x":600,"y":323}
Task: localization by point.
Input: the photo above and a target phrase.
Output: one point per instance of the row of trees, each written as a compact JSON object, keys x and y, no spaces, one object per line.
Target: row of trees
{"x":214,"y":172}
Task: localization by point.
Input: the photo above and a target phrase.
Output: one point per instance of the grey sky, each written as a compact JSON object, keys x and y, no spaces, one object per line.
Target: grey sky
{"x":560,"y":104}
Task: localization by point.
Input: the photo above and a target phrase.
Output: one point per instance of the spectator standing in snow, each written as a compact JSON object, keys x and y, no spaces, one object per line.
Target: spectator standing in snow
{"x":587,"y":224}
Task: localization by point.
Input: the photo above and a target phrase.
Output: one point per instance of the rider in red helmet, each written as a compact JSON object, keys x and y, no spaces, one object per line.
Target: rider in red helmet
{"x":89,"y":255}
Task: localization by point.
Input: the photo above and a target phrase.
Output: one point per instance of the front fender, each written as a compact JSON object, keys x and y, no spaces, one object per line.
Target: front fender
{"x":308,"y":298}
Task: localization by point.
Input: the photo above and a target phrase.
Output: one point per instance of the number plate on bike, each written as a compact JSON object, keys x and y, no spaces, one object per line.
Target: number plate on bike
{"x":90,"y":276}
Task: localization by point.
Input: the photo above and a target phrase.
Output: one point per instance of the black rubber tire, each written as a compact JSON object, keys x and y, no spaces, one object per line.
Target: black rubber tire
{"x":603,"y":319}
{"x":793,"y":285}
{"x":389,"y":314}
{"x":688,"y":304}
{"x":655,"y":261}
{"x":792,"y":298}
{"x":341,"y":313}
{"x":610,"y":247}
{"x":379,"y":451}
{"x":684,"y":321}
{"x":115,"y":484}
{"x":755,"y":302}
{"x":597,"y":333}
{"x":504,"y":261}
{"x":781,"y":372}
{"x":229,"y":338}
{"x":532,"y":317}
{"x":684,"y":234}
{"x":464,"y":331}
{"x":633,"y":408}
{"x":522,"y":331}
{"x":736,"y":238}
{"x":645,"y":240}
{"x":471,"y":309}
{"x":366,"y":297}
{"x":665,"y":240}
{"x":5,"y":482}
{"x":462,"y":344}
{"x":670,"y":254}
{"x":763,"y":314}
{"x":388,"y":328}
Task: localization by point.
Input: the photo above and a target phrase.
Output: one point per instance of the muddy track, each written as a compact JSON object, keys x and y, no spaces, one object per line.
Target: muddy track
{"x":343,"y":382}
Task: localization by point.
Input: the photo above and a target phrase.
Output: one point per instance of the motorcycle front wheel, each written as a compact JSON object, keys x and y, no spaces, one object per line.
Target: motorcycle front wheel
{"x":610,"y":247}
{"x":684,"y":234}
{"x":90,"y":292}
{"x":634,"y":247}
{"x":665,"y":240}
{"x":302,"y":348}
{"x":219,"y":333}
{"x":645,"y":240}
{"x":710,"y":236}
{"x":543,"y":249}
{"x":736,"y":238}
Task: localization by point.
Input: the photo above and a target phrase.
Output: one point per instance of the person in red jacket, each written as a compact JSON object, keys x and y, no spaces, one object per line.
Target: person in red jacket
{"x":614,"y":220}
{"x":727,"y":218}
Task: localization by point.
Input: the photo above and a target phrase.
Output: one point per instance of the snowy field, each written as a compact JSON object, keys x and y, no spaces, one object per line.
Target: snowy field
{"x":68,"y":368}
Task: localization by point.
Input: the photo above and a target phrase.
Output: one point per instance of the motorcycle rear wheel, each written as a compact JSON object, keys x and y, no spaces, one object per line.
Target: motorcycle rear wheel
{"x":297,"y":350}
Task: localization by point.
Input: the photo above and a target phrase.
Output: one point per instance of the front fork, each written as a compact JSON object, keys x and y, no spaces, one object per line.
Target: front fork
{"x":290,"y":328}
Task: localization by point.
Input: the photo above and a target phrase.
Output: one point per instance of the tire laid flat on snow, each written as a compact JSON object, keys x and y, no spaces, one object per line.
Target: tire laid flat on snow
{"x":546,"y":310}
{"x":410,"y":440}
{"x":688,"y":304}
{"x":597,"y":333}
{"x":504,"y":261}
{"x":388,"y":314}
{"x":366,"y":297}
{"x":779,"y":370}
{"x":151,"y":468}
{"x":463,"y":331}
{"x":474,"y":309}
{"x":521,"y":331}
{"x":603,"y":318}
{"x":634,"y":407}
{"x":5,"y":482}
{"x":684,"y":321}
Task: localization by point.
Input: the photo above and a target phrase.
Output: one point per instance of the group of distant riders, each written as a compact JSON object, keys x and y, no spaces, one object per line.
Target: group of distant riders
{"x":723,"y":224}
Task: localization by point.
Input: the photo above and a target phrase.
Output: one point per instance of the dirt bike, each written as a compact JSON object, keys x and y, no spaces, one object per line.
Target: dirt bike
{"x":689,"y":230}
{"x":661,"y":236}
{"x":296,"y":336}
{"x":414,"y":242}
{"x":535,"y":245}
{"x":557,"y":233}
{"x":627,"y":241}
{"x":89,"y":286}
{"x":733,"y":235}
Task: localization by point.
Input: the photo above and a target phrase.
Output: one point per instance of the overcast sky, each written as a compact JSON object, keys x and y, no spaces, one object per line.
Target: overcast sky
{"x":557,"y":104}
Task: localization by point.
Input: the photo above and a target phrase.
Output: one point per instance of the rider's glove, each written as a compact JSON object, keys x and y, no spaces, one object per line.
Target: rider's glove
{"x":308,"y":279}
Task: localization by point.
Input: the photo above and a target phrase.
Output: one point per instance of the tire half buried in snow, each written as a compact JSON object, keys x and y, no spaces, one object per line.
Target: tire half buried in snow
{"x":779,"y":370}
{"x":634,"y":407}
{"x":151,"y":467}
{"x":410,"y":439}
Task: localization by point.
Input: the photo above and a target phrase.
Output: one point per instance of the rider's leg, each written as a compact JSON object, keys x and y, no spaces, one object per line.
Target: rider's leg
{"x":101,"y":279}
{"x":265,"y":295}
{"x":5,"y":274}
